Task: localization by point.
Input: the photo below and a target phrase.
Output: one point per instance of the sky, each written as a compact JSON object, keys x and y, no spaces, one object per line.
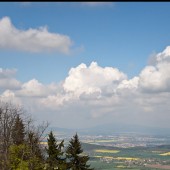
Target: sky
{"x":83,"y":64}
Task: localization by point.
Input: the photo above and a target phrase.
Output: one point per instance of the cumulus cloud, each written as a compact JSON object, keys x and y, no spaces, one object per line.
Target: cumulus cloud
{"x":32,"y":40}
{"x":156,"y":78}
{"x":7,"y":79}
{"x":93,"y":94}
{"x":5,"y":73}
{"x":94,"y":78}
{"x":129,"y":84}
{"x":86,"y":83}
{"x":105,"y":94}
{"x":164,"y":56}
{"x":9,"y":96}
{"x":57,"y":101}
{"x":33,"y":88}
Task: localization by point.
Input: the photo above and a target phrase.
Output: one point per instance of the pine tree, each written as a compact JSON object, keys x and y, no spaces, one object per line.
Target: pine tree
{"x":18,"y":131}
{"x":74,"y":152}
{"x":24,"y":153}
{"x":55,"y":153}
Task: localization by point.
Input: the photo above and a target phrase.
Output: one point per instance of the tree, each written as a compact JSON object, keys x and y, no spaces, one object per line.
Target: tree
{"x":21,"y":158}
{"x":8,"y":114}
{"x":18,"y":157}
{"x":18,"y":131}
{"x":34,"y":136}
{"x":20,"y":140}
{"x":26,"y":151}
{"x":55,"y":153}
{"x":36,"y":158}
{"x":74,"y":152}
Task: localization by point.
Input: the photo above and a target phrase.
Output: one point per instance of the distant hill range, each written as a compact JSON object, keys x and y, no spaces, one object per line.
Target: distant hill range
{"x":110,"y":129}
{"x":90,"y":147}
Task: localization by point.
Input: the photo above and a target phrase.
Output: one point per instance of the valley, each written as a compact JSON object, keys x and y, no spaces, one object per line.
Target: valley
{"x":124,"y":150}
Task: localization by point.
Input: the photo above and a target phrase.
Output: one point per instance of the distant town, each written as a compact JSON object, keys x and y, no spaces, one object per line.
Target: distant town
{"x":124,"y":150}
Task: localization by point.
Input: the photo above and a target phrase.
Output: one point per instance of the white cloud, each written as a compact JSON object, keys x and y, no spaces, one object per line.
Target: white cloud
{"x":9,"y":96}
{"x":156,"y":78}
{"x":129,"y":84}
{"x":105,"y":94}
{"x":32,"y":40}
{"x":151,"y":79}
{"x":93,"y":94}
{"x":7,"y":80}
{"x":85,"y":84}
{"x":4,"y":73}
{"x":56,"y":101}
{"x":94,"y":78}
{"x":164,"y":56}
{"x":34,"y":88}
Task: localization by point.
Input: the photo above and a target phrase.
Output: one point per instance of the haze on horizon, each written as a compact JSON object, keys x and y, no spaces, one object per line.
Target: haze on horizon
{"x":80,"y":65}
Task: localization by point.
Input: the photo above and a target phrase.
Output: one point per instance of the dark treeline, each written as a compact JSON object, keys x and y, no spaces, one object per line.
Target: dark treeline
{"x":21,"y":148}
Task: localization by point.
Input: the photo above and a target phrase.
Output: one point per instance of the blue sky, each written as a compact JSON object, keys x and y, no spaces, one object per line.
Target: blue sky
{"x":120,"y":35}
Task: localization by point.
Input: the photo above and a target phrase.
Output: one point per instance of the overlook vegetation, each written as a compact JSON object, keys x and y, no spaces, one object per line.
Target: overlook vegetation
{"x":21,"y":148}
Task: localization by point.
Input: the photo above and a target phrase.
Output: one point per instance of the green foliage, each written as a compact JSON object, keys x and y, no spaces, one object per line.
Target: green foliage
{"x":36,"y":159}
{"x":33,"y":142}
{"x":18,"y":155}
{"x":21,"y":149}
{"x":18,"y":131}
{"x":55,"y":153}
{"x":20,"y":158}
{"x":74,"y":152}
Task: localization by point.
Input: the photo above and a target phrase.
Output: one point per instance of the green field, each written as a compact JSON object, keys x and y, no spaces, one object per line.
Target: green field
{"x":137,"y":158}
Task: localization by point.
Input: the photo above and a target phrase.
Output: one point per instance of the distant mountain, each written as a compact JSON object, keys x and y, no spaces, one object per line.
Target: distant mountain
{"x":110,"y":129}
{"x":90,"y":147}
